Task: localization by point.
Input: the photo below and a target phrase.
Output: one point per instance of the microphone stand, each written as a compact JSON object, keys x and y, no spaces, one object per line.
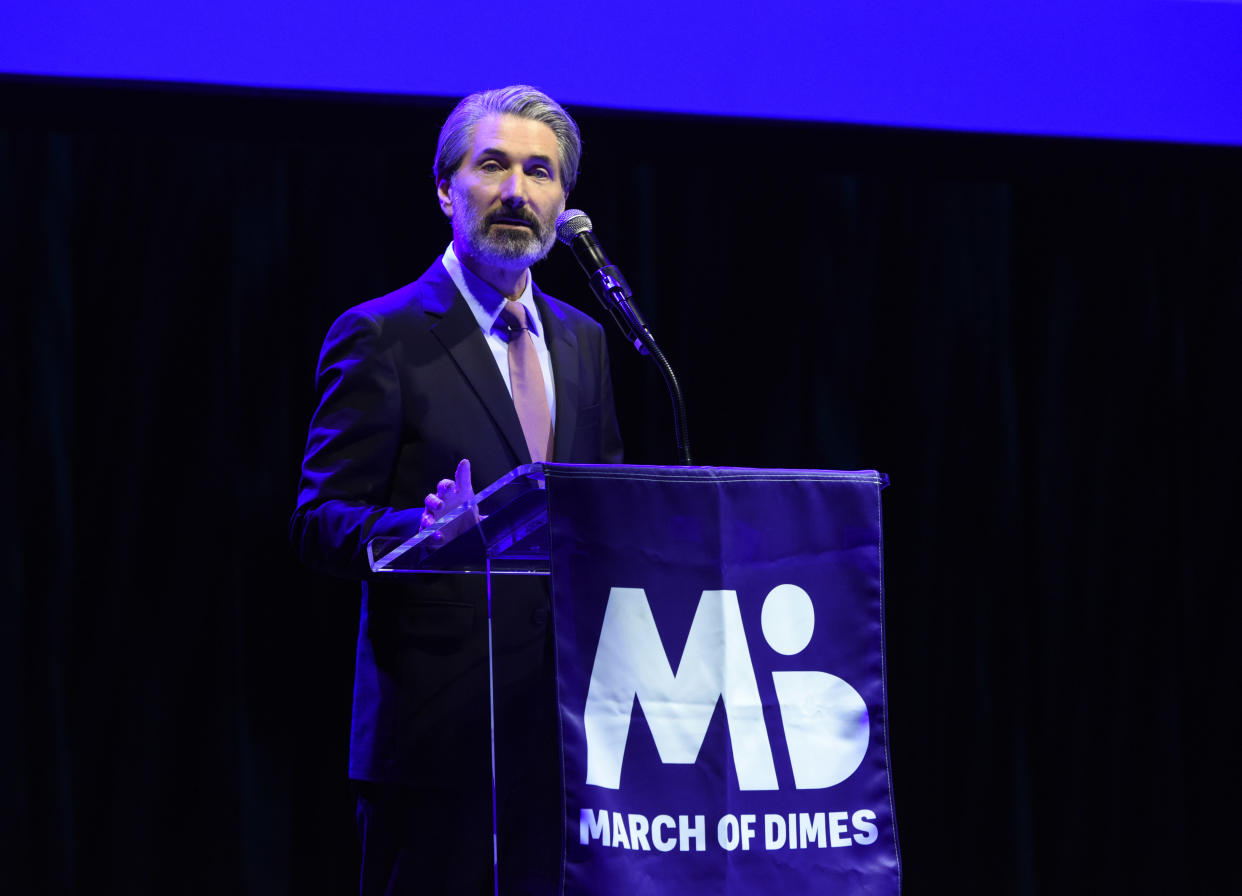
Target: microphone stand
{"x":614,"y":294}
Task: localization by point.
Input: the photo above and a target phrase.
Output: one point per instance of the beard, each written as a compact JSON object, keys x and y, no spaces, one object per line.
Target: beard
{"x":508,"y":247}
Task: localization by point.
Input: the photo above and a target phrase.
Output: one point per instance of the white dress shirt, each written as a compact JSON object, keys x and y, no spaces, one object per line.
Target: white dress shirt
{"x":486,"y":303}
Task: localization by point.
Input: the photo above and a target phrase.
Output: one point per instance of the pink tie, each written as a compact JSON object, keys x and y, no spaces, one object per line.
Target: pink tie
{"x":525,"y":375}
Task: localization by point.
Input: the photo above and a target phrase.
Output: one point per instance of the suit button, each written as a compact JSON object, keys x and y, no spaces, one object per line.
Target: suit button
{"x":539,"y":616}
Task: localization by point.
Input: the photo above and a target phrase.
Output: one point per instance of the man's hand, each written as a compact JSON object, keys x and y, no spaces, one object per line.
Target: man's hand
{"x":449,"y":494}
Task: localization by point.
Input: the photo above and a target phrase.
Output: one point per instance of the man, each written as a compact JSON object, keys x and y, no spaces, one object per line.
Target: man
{"x":469,"y":368}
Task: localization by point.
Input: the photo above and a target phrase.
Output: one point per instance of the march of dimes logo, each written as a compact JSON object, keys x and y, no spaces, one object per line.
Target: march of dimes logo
{"x":825,"y":723}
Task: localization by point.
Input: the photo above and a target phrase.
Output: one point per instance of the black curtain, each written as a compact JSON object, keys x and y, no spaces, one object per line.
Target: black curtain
{"x":1035,"y":338}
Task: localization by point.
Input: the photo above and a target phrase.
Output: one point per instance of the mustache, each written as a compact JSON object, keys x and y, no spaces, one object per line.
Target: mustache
{"x":508,"y":216}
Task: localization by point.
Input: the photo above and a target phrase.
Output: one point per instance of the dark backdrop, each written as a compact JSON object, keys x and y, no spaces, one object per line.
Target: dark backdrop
{"x":1036,"y":339}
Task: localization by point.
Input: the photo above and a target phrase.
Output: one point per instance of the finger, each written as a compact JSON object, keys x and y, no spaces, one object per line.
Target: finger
{"x":462,"y":478}
{"x":432,"y":504}
{"x":426,"y":521}
{"x":445,"y":487}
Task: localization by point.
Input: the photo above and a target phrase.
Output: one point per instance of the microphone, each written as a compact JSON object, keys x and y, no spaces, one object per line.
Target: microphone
{"x":574,"y":229}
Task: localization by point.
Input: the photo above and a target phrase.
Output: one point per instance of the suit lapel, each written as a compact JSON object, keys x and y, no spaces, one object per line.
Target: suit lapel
{"x":563,"y":348}
{"x":459,"y":333}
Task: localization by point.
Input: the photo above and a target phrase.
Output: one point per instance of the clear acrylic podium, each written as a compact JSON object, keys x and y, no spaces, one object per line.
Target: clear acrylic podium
{"x":503,"y":531}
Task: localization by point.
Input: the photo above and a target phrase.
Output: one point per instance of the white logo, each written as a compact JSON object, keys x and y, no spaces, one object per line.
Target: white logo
{"x":825,"y":720}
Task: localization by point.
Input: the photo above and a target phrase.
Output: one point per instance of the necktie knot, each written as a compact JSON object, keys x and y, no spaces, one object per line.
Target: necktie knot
{"x":512,"y":320}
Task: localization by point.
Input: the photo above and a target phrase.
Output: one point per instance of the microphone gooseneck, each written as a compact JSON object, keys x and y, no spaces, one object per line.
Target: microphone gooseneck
{"x":574,"y":229}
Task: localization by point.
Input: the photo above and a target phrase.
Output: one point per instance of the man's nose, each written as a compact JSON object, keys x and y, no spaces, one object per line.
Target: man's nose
{"x":513,"y":190}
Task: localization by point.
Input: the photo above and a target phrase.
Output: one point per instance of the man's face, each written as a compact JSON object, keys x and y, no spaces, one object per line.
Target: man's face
{"x":504,"y":198}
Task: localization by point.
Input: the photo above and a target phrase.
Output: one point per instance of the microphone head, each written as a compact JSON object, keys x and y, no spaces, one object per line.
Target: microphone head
{"x":570,"y":223}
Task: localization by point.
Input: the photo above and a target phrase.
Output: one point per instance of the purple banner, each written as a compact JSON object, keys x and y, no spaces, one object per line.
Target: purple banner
{"x":720,"y":659}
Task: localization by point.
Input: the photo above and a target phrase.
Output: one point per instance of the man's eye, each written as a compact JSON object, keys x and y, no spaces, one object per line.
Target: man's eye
{"x":490,"y":166}
{"x":541,"y":174}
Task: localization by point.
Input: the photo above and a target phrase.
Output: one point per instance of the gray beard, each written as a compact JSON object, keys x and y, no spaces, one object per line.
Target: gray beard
{"x":506,"y":247}
{"x":510,"y":248}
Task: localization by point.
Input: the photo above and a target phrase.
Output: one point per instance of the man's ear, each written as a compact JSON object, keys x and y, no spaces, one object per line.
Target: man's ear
{"x":442,"y":193}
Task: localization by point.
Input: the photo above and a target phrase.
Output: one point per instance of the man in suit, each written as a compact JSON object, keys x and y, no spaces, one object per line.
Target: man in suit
{"x":412,"y":386}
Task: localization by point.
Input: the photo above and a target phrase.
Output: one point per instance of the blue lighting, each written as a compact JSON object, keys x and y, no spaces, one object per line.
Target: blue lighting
{"x":1138,"y":69}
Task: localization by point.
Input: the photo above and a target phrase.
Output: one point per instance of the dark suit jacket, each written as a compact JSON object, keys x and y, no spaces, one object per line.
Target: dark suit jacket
{"x":407,"y":387}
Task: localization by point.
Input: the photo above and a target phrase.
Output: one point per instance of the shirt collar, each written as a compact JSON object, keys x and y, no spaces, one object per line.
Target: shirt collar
{"x":485,"y":302}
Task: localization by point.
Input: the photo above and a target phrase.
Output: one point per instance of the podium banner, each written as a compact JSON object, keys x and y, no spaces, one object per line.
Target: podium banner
{"x":720,"y":666}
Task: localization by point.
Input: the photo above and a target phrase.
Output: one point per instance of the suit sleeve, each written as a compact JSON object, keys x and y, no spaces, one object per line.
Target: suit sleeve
{"x":351,"y":450}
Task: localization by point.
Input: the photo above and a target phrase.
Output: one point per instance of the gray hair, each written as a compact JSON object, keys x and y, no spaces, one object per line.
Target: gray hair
{"x":520,"y":100}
